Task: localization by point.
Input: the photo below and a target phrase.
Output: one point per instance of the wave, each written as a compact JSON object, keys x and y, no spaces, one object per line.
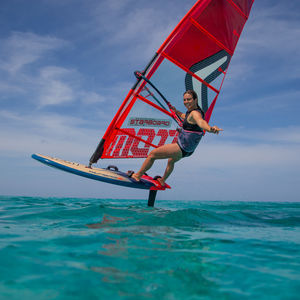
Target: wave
{"x":168,"y":213}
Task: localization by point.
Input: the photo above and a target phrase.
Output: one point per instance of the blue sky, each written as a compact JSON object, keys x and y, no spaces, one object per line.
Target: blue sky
{"x":66,"y":66}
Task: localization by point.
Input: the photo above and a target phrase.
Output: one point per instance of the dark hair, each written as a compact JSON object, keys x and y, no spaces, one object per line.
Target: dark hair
{"x":195,"y":96}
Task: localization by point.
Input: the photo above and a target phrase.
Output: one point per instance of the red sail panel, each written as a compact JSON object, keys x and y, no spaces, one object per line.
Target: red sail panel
{"x":195,"y":56}
{"x":220,"y":23}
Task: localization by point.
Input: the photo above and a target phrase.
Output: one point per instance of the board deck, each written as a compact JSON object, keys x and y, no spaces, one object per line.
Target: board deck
{"x":109,"y":175}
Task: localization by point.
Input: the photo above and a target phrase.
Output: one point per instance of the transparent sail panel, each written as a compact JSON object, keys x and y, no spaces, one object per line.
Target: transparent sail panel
{"x":148,"y":125}
{"x":172,"y":81}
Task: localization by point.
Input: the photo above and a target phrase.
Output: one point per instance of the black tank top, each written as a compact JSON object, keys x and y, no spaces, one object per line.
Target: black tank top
{"x":192,"y":127}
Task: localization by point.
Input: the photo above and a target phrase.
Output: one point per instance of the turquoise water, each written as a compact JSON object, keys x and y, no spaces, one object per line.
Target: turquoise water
{"x":58,"y":248}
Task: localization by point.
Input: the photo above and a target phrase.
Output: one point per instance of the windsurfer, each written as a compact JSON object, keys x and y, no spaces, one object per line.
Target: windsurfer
{"x":188,"y":139}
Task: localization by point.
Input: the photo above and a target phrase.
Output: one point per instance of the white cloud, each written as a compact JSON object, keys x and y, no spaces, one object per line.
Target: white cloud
{"x":11,"y":116}
{"x":91,"y":98}
{"x":24,"y":48}
{"x":54,"y":88}
{"x":287,"y":136}
{"x":137,"y":28}
{"x":271,"y":27}
{"x":256,"y":155}
{"x":273,"y":102}
{"x":10,"y":87}
{"x":25,"y":72}
{"x":46,"y":133}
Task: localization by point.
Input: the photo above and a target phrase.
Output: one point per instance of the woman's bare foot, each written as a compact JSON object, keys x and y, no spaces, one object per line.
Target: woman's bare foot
{"x":136,"y":177}
{"x":161,"y":181}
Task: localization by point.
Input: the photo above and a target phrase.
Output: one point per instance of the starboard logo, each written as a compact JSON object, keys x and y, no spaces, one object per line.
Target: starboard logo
{"x":149,"y":122}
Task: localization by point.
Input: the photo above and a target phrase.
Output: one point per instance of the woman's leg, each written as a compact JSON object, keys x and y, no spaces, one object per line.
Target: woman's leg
{"x":169,"y":170}
{"x":166,"y":151}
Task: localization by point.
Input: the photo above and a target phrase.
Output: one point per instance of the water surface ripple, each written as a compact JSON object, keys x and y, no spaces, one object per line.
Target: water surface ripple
{"x":58,"y":248}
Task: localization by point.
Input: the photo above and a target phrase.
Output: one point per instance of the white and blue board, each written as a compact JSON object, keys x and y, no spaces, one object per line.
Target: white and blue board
{"x":109,"y":175}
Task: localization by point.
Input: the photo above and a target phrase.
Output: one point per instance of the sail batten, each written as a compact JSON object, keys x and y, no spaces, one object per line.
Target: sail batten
{"x":195,"y":23}
{"x":136,"y":137}
{"x":189,"y":72}
{"x":154,"y":105}
{"x":238,"y":9}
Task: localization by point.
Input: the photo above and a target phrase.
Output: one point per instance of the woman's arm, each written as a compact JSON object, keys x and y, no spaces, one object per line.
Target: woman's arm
{"x":178,"y":113}
{"x":203,"y":124}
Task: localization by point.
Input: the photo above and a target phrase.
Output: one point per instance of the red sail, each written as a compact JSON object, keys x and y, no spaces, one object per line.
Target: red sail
{"x":195,"y":56}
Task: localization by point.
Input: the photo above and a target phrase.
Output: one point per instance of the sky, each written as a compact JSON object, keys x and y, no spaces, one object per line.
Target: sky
{"x":67,"y":65}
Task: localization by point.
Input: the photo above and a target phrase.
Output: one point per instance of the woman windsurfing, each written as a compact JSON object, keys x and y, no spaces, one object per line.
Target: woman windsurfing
{"x":188,"y":139}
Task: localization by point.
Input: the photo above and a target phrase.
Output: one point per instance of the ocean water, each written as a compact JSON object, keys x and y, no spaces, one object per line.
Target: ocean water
{"x":58,"y":248}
